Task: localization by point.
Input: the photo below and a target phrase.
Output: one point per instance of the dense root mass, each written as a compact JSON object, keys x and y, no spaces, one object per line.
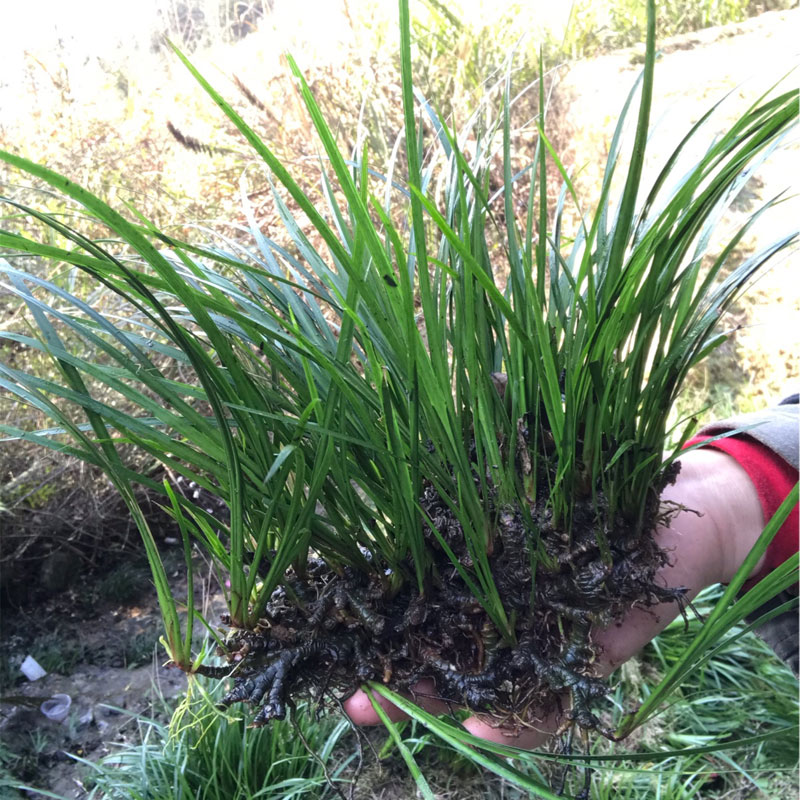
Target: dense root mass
{"x":325,"y":630}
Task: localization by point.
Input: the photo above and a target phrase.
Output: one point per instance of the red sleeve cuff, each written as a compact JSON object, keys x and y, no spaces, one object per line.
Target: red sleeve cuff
{"x":773,"y":479}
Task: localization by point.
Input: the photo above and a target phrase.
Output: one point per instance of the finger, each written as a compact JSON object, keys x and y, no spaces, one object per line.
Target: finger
{"x":359,"y":708}
{"x":525,"y":739}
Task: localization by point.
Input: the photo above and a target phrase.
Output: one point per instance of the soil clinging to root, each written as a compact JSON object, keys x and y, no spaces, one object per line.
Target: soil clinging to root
{"x":333,"y":631}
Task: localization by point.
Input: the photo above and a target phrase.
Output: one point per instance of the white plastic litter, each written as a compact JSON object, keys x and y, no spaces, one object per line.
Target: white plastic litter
{"x":32,"y":669}
{"x":57,"y":707}
{"x":86,"y":717}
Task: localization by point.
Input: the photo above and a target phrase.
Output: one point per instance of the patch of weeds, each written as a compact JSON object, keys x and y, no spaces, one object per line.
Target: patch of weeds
{"x":138,"y":649}
{"x":36,"y":494}
{"x":8,"y":760}
{"x":746,"y":688}
{"x":21,"y":759}
{"x":222,"y":758}
{"x":9,"y":664}
{"x":58,"y":652}
{"x":8,"y":782}
{"x":210,"y":756}
{"x":124,"y":584}
{"x":627,"y":23}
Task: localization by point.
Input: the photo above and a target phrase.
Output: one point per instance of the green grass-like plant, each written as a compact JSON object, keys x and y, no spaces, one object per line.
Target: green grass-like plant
{"x":208,"y":756}
{"x":417,"y":336}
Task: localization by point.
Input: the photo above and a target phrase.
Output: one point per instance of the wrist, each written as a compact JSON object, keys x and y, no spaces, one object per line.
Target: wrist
{"x":714,"y":519}
{"x":720,"y":513}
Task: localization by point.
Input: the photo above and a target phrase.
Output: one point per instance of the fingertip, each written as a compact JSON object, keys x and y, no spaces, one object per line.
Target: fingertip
{"x":360,"y":709}
{"x":526,"y":739}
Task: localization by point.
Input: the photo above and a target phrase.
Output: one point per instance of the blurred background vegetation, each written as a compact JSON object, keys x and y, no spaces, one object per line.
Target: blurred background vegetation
{"x":92,"y":91}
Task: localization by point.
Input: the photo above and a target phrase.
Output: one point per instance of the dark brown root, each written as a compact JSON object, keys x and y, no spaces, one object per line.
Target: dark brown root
{"x":330,"y":630}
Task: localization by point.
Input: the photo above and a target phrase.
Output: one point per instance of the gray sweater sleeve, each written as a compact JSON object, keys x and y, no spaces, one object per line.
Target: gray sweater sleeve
{"x":778,"y":429}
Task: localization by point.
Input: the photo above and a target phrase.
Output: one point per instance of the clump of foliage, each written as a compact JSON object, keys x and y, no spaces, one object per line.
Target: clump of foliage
{"x":438,"y":429}
{"x":211,"y":757}
{"x":743,"y":689}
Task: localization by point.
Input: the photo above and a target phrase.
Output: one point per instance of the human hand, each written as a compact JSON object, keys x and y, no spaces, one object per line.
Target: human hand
{"x":718,"y":520}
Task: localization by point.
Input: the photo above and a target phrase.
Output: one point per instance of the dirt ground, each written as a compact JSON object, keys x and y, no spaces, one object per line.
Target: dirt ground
{"x":86,"y":647}
{"x":105,"y":701}
{"x":694,"y":71}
